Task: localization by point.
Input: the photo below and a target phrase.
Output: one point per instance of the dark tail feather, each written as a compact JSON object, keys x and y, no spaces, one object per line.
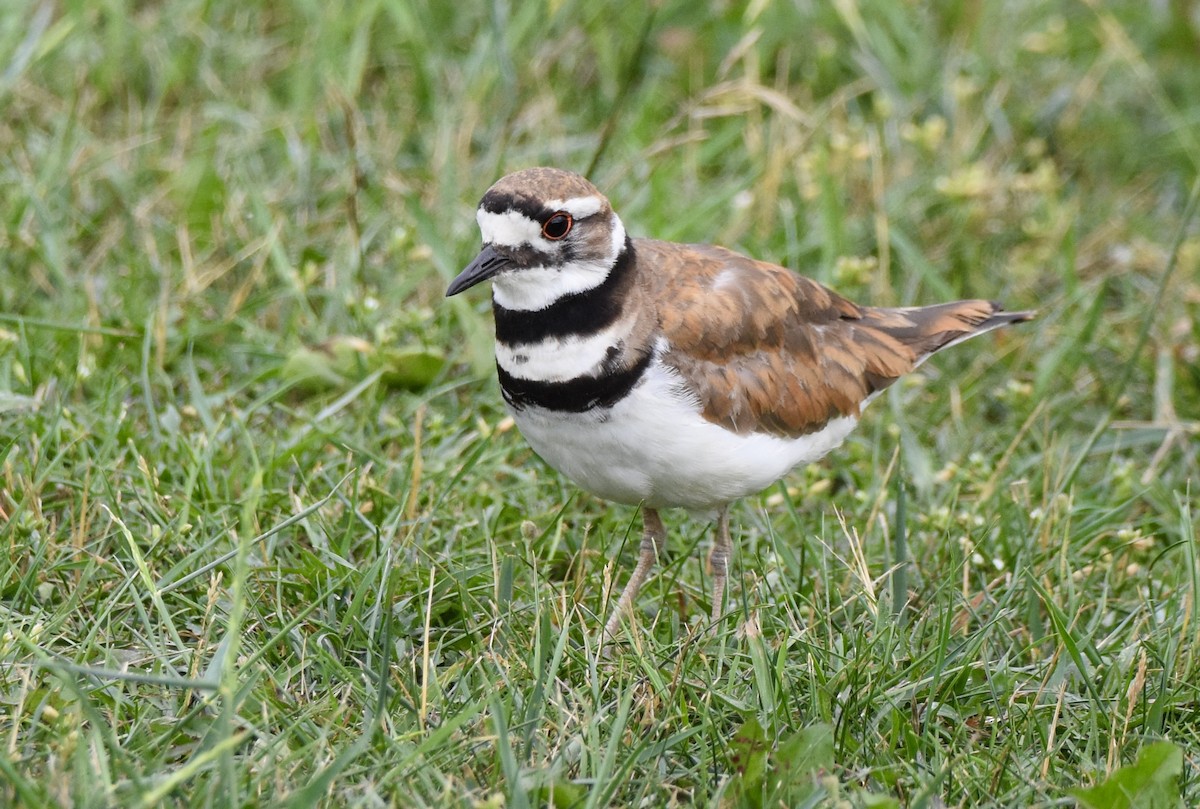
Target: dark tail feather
{"x":927,"y":329}
{"x":997,"y":319}
{"x":1003,"y":318}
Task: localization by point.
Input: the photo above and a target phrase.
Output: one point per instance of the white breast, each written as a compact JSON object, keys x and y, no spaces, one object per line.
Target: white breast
{"x":655,"y":447}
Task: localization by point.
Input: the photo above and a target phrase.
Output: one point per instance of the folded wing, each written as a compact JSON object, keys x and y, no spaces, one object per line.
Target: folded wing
{"x":765,"y":350}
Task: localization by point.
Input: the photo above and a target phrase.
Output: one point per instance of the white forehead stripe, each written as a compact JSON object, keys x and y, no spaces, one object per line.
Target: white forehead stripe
{"x":578,"y":207}
{"x":509,"y":229}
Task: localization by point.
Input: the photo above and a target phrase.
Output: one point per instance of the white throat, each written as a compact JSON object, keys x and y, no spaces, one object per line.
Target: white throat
{"x":532,"y":288}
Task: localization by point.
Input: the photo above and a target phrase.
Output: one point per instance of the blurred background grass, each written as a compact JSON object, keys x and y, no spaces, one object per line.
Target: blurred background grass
{"x":216,"y":562}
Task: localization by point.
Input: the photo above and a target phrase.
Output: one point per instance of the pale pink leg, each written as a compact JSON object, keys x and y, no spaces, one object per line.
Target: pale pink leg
{"x":653,"y":537}
{"x":718,"y":559}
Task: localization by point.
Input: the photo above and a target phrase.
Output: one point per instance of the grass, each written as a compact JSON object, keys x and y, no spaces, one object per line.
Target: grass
{"x":227,"y":582}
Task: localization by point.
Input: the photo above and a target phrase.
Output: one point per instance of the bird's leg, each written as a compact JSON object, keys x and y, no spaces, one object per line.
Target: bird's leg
{"x":653,"y":538}
{"x":718,"y":560}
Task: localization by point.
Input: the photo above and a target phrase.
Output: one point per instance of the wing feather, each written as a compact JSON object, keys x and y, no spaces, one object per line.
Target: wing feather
{"x":766,"y":350}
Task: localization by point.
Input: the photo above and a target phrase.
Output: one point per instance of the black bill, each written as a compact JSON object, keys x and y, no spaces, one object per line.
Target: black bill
{"x":486,"y":264}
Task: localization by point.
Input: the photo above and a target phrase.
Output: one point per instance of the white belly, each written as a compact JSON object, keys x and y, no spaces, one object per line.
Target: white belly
{"x":654,"y":447}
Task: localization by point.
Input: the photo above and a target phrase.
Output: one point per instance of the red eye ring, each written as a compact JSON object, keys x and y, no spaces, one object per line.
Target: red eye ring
{"x":557,"y":226}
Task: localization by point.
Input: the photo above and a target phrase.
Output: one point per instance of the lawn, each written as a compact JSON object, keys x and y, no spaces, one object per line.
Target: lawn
{"x":271,"y":538}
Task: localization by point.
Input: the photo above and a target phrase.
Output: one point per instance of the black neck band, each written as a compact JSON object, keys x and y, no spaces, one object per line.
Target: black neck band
{"x":576,"y":395}
{"x":585,"y":312}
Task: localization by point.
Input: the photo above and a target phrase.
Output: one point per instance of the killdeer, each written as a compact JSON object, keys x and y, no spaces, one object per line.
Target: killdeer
{"x":678,"y":375}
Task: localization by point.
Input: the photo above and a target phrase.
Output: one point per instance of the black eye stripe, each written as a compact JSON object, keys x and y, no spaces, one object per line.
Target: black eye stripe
{"x":503,"y":203}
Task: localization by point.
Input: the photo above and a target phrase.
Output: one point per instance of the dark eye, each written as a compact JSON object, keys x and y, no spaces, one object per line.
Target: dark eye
{"x":557,"y":226}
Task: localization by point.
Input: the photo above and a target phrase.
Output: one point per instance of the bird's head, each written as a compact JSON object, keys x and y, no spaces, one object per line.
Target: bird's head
{"x":547,"y":233}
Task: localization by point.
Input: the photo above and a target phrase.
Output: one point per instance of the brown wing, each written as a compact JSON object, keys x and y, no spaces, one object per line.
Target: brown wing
{"x":766,"y":350}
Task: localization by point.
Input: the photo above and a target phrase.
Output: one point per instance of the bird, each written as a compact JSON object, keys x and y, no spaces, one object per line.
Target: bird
{"x":667,"y":375}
